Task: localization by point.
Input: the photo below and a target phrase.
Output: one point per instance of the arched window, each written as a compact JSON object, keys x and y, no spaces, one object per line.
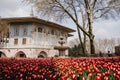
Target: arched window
{"x":2,"y":54}
{"x":42,"y":54}
{"x":20,"y":54}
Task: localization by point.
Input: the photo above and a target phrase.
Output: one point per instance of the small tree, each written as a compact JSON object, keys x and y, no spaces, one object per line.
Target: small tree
{"x":117,"y":50}
{"x":4,"y":32}
{"x":76,"y":51}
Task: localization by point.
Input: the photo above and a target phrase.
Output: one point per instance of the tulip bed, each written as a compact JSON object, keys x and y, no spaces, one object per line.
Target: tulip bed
{"x":60,"y":69}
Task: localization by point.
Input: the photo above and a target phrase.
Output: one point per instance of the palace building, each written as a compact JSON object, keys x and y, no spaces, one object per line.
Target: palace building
{"x":31,"y":37}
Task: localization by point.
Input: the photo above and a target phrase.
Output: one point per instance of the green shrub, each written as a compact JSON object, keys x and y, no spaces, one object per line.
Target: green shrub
{"x":117,"y":50}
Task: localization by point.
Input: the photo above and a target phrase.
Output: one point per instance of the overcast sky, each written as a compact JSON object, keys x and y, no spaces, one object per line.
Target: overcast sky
{"x":102,"y":29}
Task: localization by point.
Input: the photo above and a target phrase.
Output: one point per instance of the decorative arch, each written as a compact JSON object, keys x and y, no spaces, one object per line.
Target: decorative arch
{"x":42,"y":54}
{"x":20,"y":54}
{"x":2,"y":54}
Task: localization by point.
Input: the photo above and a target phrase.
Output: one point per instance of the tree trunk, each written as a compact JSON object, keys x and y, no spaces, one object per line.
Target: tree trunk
{"x":84,"y":44}
{"x":91,"y":37}
{"x":80,"y":39}
{"x":89,"y":11}
{"x":92,"y":47}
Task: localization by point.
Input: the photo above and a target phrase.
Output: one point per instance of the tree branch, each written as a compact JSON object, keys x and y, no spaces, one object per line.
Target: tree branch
{"x":94,"y":3}
{"x":72,"y":18}
{"x":75,"y":11}
{"x":102,"y":14}
{"x":107,"y":7}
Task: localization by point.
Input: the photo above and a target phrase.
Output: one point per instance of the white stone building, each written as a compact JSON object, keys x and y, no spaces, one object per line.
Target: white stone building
{"x":32,"y":37}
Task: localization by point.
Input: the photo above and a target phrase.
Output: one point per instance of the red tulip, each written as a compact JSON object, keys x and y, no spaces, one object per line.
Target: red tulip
{"x":83,"y":78}
{"x":97,"y":78}
{"x":68,"y":79}
{"x":90,"y":75}
{"x":73,"y":77}
{"x":99,"y":74}
{"x":106,"y":78}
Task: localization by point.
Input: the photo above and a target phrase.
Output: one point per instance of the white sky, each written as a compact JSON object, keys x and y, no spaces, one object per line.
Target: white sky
{"x":102,"y":29}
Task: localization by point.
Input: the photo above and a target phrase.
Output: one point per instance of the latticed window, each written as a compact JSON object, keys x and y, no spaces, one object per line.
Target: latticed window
{"x":24,"y":41}
{"x":25,"y":30}
{"x":16,"y":31}
{"x":15,"y":41}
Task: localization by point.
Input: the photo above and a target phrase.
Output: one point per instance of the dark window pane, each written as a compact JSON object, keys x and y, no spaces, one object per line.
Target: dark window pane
{"x":15,"y":41}
{"x":39,"y":29}
{"x":24,"y":41}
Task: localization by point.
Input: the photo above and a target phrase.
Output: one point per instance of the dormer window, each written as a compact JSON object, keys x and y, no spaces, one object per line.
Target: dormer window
{"x":39,"y":29}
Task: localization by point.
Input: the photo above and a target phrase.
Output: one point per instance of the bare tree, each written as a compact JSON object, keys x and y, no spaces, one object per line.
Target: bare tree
{"x":117,"y":41}
{"x":111,"y":46}
{"x":73,"y":42}
{"x":87,"y":10}
{"x":105,"y":45}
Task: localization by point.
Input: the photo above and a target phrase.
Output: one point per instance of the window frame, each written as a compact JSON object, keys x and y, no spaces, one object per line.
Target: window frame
{"x":24,"y":30}
{"x":15,"y":41}
{"x":53,"y":32}
{"x":24,"y":41}
{"x":40,"y":29}
{"x":16,"y":30}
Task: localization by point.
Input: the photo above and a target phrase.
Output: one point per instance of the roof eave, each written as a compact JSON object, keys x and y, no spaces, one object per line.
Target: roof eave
{"x":34,"y":19}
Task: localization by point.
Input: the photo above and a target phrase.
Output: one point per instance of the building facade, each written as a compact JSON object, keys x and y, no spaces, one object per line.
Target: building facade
{"x":32,"y":38}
